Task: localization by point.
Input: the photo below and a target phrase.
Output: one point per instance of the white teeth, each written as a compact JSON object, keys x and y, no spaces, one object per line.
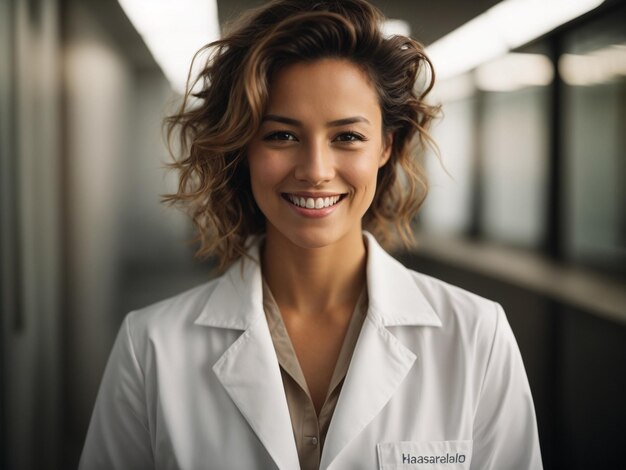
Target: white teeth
{"x":313,"y":203}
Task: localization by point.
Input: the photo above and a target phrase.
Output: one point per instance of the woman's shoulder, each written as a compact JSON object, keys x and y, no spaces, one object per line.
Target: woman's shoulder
{"x":172,"y":313}
{"x":471,"y":324}
{"x":423,"y":299}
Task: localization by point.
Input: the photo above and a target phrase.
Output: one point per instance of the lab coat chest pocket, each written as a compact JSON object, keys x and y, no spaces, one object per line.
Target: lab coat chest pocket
{"x":427,"y":455}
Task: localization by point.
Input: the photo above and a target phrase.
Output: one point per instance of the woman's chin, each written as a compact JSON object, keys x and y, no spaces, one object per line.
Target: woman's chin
{"x":315,"y":238}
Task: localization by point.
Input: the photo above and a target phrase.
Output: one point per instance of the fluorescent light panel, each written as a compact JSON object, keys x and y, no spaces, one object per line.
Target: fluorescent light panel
{"x":394,"y":26}
{"x":515,"y":71}
{"x":174,"y":30}
{"x":505,"y":26}
{"x":600,"y":66}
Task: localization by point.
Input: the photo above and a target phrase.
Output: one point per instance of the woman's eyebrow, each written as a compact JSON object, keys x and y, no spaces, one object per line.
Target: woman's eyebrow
{"x":295,"y":122}
{"x":346,"y":121}
{"x":282,"y":119}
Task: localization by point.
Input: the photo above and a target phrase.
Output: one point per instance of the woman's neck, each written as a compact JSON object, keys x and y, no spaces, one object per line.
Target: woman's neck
{"x":314,"y":280}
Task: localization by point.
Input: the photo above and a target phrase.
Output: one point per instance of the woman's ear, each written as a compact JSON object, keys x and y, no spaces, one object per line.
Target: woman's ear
{"x":387,"y":146}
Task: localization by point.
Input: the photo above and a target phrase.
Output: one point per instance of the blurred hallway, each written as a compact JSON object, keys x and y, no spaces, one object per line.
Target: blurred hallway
{"x":527,"y":206}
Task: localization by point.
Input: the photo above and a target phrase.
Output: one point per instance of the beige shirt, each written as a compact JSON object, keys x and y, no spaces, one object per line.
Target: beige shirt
{"x":309,"y":429}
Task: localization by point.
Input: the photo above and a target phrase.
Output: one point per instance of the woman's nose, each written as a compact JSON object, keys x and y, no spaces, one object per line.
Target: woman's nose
{"x":315,"y":164}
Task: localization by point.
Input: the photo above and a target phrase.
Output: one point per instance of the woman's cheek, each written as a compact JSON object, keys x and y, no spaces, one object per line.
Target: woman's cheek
{"x":362,"y":171}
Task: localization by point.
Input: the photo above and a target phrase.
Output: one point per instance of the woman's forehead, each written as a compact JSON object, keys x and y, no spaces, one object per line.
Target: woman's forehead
{"x":333,"y":88}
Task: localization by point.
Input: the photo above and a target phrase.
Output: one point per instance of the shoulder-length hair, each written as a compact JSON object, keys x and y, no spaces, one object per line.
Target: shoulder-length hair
{"x":215,"y":123}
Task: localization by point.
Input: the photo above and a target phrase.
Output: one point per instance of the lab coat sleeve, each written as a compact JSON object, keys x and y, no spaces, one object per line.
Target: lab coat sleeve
{"x":505,"y":427}
{"x":118,"y":435}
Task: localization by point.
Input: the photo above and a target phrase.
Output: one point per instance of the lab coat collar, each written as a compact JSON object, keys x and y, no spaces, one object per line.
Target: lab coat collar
{"x":237,"y":300}
{"x":249,"y":369}
{"x":394,"y":297}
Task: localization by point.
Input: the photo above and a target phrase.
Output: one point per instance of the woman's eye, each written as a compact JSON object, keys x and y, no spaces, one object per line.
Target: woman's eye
{"x":280,"y":135}
{"x":350,"y":137}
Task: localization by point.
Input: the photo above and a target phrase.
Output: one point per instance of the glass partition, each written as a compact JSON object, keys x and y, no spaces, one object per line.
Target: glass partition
{"x":593,"y":68}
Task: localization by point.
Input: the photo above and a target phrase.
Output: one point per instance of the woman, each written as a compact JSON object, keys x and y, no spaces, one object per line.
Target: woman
{"x":315,"y":349}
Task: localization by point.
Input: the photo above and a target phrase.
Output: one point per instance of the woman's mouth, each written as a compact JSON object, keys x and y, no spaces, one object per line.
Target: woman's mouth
{"x":307,"y":202}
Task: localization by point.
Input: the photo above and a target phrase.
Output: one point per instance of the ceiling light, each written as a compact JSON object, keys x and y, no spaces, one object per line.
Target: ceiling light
{"x":593,"y":68}
{"x":173,"y":32}
{"x":393,"y":27}
{"x":514,"y":71}
{"x":505,"y":26}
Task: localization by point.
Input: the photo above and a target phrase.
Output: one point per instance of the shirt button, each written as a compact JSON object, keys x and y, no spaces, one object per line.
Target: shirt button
{"x":313,"y":441}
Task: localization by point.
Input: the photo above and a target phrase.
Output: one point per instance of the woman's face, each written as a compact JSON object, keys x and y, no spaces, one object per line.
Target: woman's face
{"x":314,"y":161}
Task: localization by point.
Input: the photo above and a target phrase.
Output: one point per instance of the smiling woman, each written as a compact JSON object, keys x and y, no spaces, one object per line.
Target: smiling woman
{"x":234,"y":93}
{"x":315,"y":348}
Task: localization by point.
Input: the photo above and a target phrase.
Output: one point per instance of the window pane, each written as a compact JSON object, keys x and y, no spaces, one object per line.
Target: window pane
{"x":514,"y":153}
{"x":448,"y":206}
{"x":593,"y":68}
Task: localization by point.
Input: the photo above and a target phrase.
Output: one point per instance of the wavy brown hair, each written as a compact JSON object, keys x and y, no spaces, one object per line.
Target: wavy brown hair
{"x":224,"y":105}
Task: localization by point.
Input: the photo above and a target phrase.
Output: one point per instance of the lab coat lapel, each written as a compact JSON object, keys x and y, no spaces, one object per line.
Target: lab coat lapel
{"x":249,"y":369}
{"x":380,"y":362}
{"x":249,"y":372}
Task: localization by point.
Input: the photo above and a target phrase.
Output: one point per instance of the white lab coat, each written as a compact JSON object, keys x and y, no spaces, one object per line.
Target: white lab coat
{"x":436,"y":381}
